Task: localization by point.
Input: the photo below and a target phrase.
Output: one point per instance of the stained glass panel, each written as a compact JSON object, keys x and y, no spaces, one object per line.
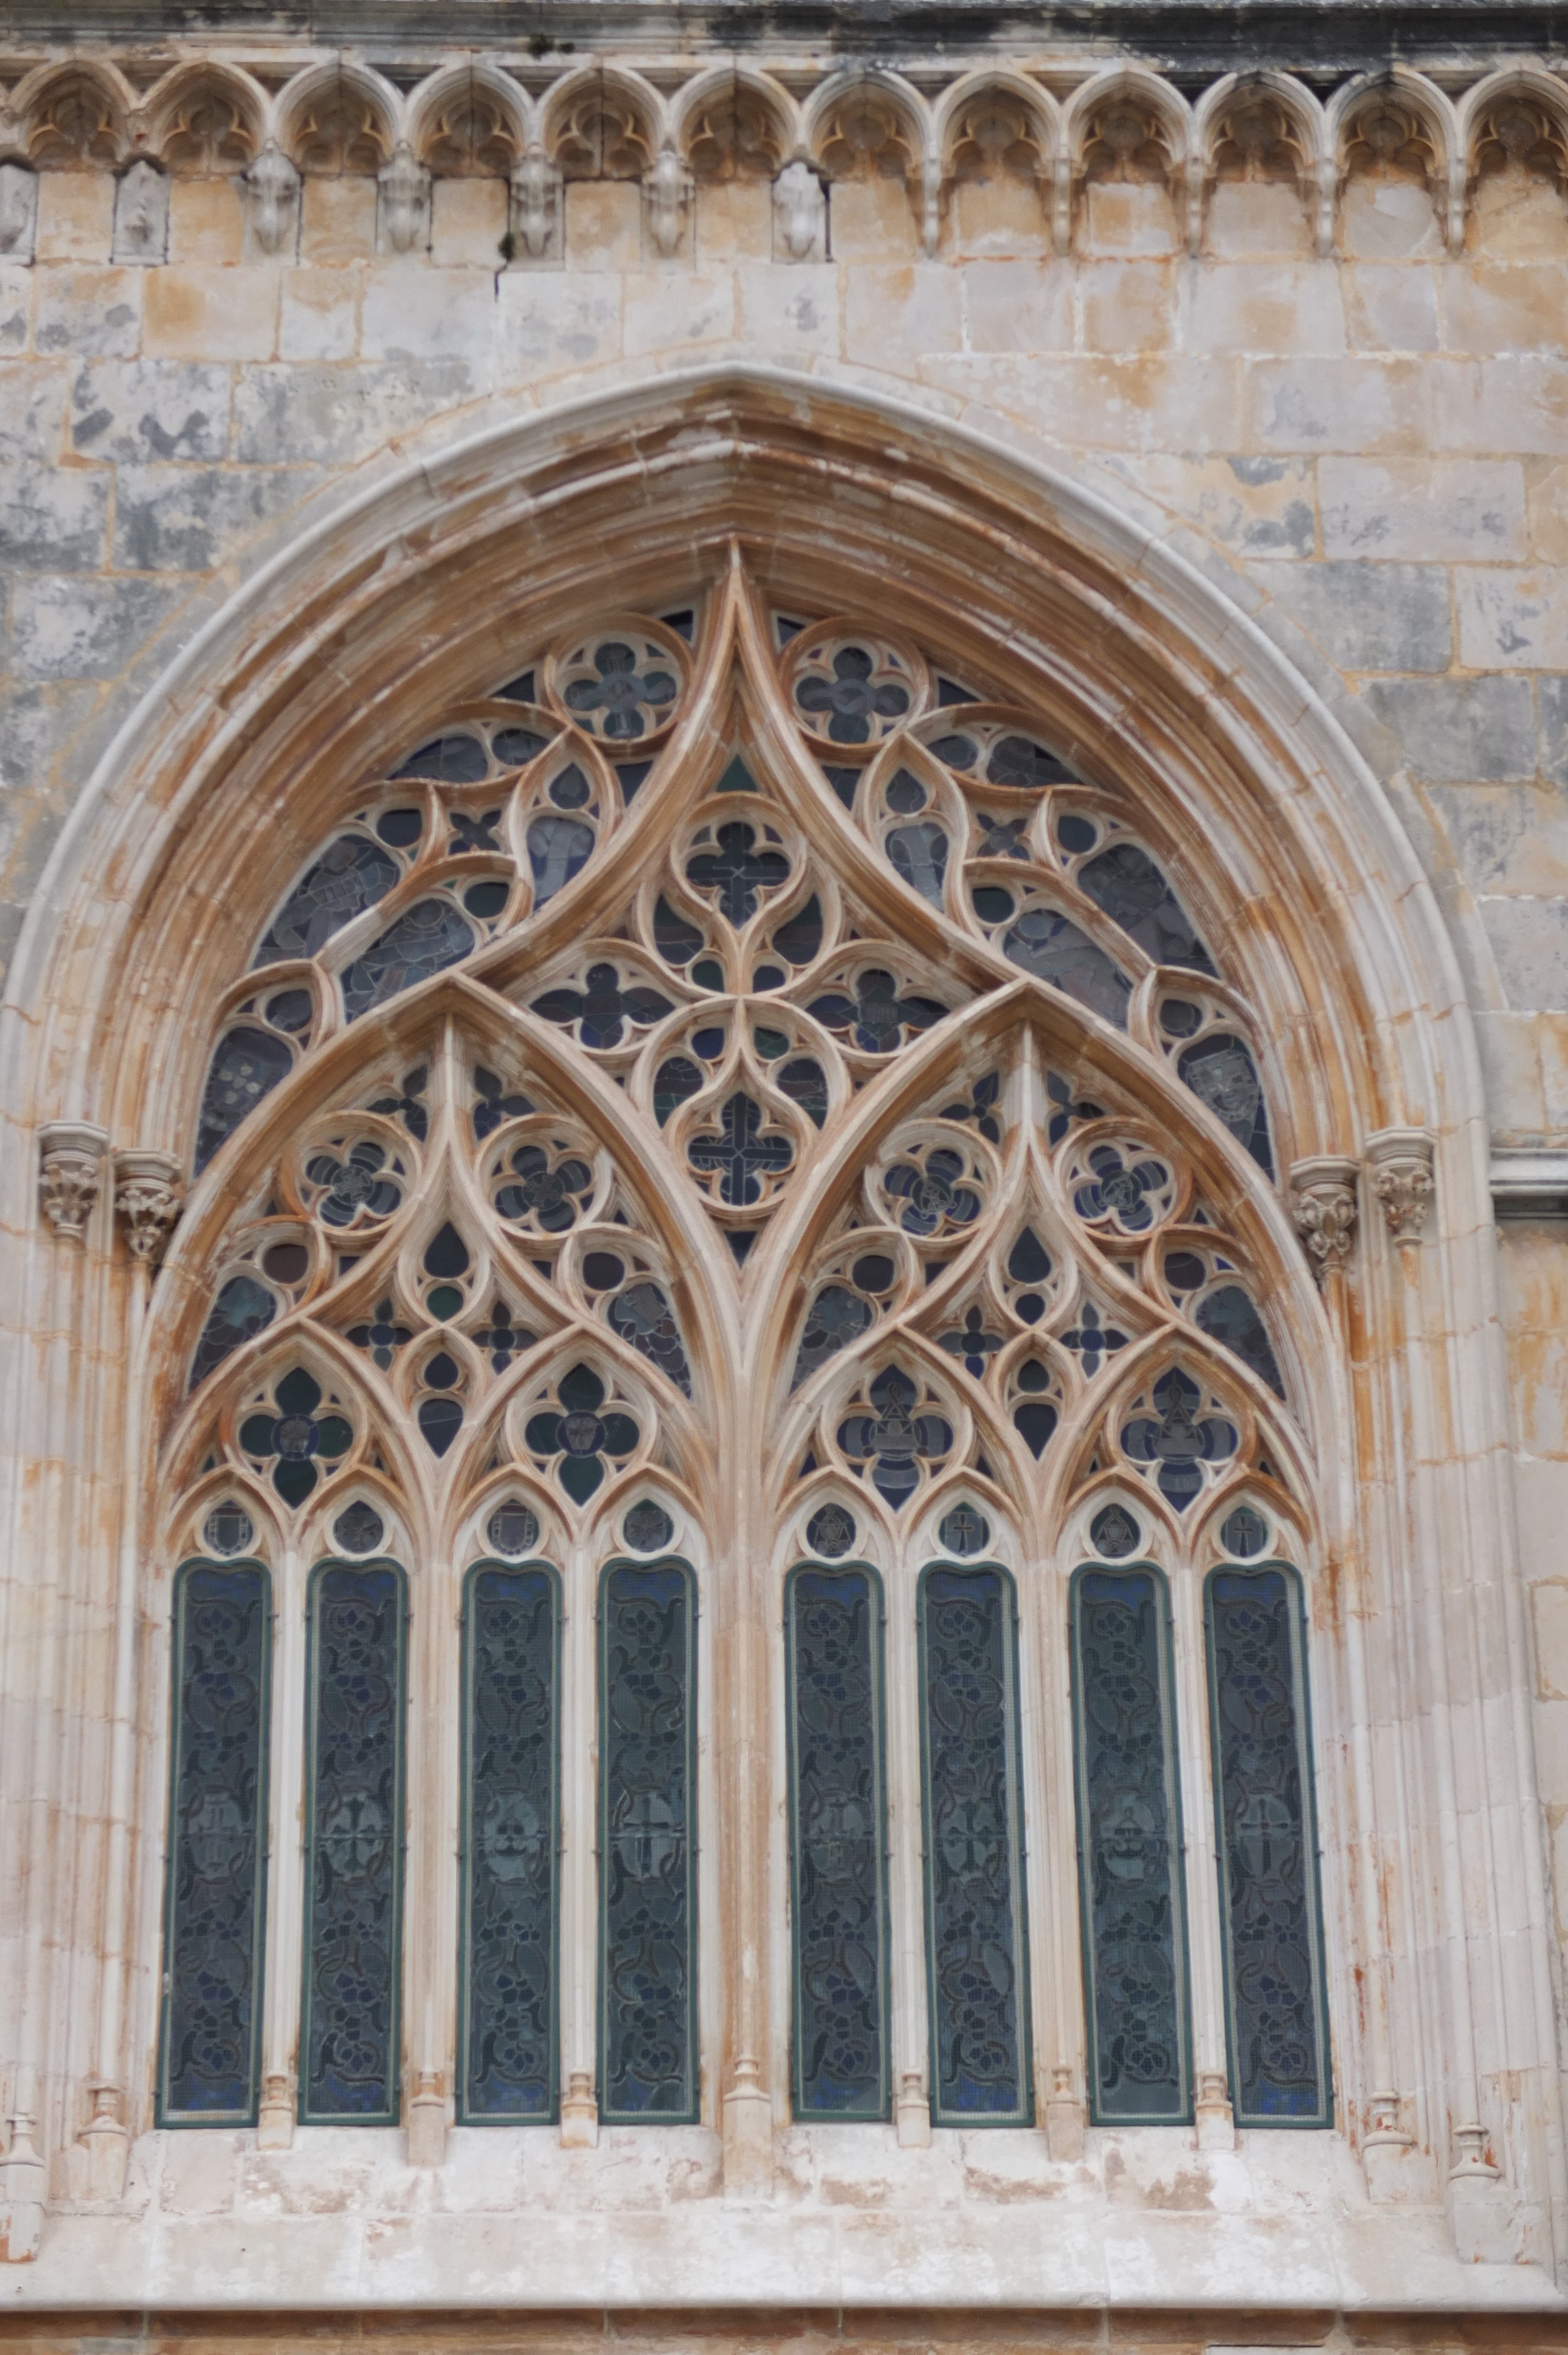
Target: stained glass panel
{"x":350,"y":876}
{"x":507,"y":2066}
{"x":1276,"y":2017}
{"x":978,"y":1969}
{"x":426,"y":937}
{"x":838,"y":1844}
{"x":247,"y":1064}
{"x":354,"y":1865}
{"x":1129,"y":1850}
{"x":217,"y":1847}
{"x":647,"y":1888}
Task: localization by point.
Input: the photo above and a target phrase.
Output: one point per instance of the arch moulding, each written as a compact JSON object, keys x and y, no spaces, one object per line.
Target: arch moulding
{"x":411,"y":598}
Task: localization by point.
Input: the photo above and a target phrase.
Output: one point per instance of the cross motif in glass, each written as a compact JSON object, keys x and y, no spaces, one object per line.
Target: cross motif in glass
{"x":602,"y":1007}
{"x":742,"y":1155}
{"x":738,"y":871}
{"x":1093,"y":1339}
{"x":354,"y":1183}
{"x":875,"y":1016}
{"x":380,"y":1336}
{"x":471,"y":833}
{"x":1180,"y":1440}
{"x":502,"y":1338}
{"x":580,"y":1435}
{"x":895,"y":1440}
{"x":842,"y":699}
{"x":971,"y":1344}
{"x":631,"y":700}
{"x":407,"y":1106}
{"x":492,"y":1104}
{"x":551,"y":1197}
{"x":932,"y":1194}
{"x":1126,"y":1191}
{"x":294,"y":1435}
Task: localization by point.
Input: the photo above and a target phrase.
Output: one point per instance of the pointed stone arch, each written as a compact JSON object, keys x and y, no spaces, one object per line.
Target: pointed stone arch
{"x":1146,"y":683}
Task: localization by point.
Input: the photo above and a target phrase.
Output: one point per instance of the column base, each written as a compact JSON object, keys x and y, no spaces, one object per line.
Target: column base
{"x":275,"y":2119}
{"x":913,"y":2112}
{"x":747,"y":2136}
{"x":1212,"y":2114}
{"x":106,"y":2143}
{"x":579,"y":2113}
{"x":427,"y":2121}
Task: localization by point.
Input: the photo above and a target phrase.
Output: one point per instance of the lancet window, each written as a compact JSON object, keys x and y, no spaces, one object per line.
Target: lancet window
{"x":743,"y":1097}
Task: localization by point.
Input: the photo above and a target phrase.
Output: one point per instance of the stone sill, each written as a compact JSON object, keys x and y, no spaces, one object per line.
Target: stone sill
{"x":976,"y":2219}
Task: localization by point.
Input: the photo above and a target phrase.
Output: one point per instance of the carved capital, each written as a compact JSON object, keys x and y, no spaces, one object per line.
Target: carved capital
{"x":1323,"y":1205}
{"x":69,"y":1172}
{"x":1400,"y":1162}
{"x":148,"y":1198}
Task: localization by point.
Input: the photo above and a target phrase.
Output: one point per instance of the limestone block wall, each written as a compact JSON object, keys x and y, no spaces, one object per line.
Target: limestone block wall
{"x":1319,"y":350}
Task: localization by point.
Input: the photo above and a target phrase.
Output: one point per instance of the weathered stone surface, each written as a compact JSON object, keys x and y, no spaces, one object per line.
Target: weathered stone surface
{"x":187,"y":519}
{"x":323,"y":416}
{"x":51,"y":521}
{"x":136,"y":411}
{"x":1371,"y":616}
{"x":85,"y":629}
{"x":1457,"y":730}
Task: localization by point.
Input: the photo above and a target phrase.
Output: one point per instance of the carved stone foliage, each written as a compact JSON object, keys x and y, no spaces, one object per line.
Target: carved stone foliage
{"x":1403,"y":1180}
{"x":728,"y":957}
{"x":1323,"y":1204}
{"x":70,"y":1168}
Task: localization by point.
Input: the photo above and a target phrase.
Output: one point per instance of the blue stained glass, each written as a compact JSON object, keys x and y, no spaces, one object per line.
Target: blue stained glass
{"x":648,"y":1885}
{"x":217,"y":1847}
{"x":354,"y":1867}
{"x":1129,"y":1850}
{"x":426,"y":938}
{"x":838,"y":1844}
{"x":974,"y":1851}
{"x":511,"y":1848}
{"x":350,"y":875}
{"x":1275,"y":2011}
{"x":247,"y":1064}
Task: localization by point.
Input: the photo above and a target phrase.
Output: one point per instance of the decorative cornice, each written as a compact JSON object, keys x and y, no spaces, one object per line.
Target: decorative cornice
{"x":70,"y":1160}
{"x":669,"y":97}
{"x":1323,"y":1205}
{"x":1401,"y":1160}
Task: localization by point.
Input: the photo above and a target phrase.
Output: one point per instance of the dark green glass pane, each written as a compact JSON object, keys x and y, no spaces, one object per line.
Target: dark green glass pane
{"x":838,"y":1845}
{"x":648,"y":1894}
{"x":1269,"y":1903}
{"x":355,"y":1847}
{"x":974,"y":1852}
{"x":217,"y":1847}
{"x":510,"y":1861}
{"x":1130,"y":1847}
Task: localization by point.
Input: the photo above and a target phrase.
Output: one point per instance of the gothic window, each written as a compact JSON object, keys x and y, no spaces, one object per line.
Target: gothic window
{"x":734,"y":1097}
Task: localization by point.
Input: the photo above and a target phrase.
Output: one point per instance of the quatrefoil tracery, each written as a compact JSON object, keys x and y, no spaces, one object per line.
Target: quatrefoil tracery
{"x":762,"y":973}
